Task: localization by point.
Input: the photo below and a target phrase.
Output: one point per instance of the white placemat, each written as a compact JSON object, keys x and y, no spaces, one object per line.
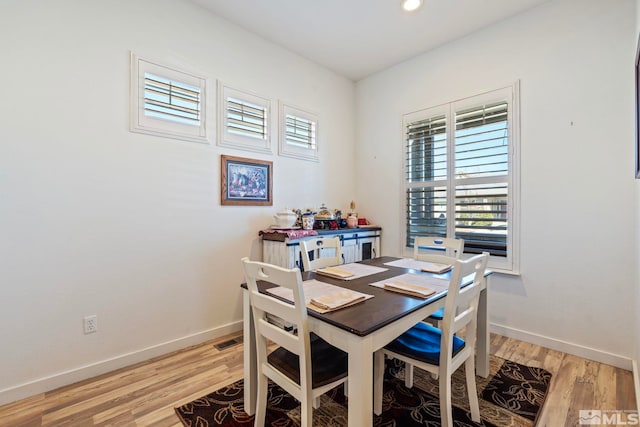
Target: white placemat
{"x":359,"y":270}
{"x":438,"y":285}
{"x":430,"y":267}
{"x":313,"y":289}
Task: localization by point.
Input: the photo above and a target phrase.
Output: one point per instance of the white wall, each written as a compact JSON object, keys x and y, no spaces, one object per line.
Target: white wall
{"x":578,"y":239}
{"x":95,"y":219}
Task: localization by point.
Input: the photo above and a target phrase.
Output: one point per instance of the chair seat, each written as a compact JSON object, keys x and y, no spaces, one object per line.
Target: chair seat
{"x":329,"y":363}
{"x":422,"y":342}
{"x":438,"y":315}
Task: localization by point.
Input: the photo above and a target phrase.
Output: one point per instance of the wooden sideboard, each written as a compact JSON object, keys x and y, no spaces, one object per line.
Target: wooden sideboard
{"x":357,"y":244}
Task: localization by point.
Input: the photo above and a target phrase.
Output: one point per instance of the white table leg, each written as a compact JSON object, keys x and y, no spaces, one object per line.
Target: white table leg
{"x":360,"y":403}
{"x":250,"y":368}
{"x":484,"y":340}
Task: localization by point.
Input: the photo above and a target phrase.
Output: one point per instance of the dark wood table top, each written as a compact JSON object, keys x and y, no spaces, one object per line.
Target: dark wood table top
{"x":384,"y":308}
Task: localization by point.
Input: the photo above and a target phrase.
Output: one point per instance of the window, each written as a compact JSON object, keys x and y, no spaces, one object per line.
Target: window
{"x":298,"y":133}
{"x":461,"y":162}
{"x":167,"y":102}
{"x":244,"y":119}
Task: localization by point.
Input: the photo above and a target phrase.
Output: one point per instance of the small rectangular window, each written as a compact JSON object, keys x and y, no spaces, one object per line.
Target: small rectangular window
{"x":244,"y":120}
{"x":299,"y":133}
{"x":171,"y":100}
{"x":167,"y":102}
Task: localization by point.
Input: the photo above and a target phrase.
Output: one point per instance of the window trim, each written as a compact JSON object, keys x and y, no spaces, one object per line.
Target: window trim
{"x":242,"y":142}
{"x":141,"y":123}
{"x":288,"y":150}
{"x":511,"y":94}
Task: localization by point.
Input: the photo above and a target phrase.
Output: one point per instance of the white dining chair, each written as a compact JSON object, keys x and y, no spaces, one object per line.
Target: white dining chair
{"x":442,"y":351}
{"x":304,"y":365}
{"x":320,"y":252}
{"x":442,"y":250}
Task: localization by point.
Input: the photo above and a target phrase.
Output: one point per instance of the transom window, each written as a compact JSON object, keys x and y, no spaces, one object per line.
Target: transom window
{"x":171,"y":100}
{"x":298,"y":133}
{"x":168,"y":102}
{"x":244,"y":120}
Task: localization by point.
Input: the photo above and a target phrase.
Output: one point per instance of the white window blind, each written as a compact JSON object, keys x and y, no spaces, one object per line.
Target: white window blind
{"x":460,"y":174}
{"x":481,"y":178}
{"x":167,"y":102}
{"x":427,"y":150}
{"x":245,"y":119}
{"x":300,"y":132}
{"x":171,"y":100}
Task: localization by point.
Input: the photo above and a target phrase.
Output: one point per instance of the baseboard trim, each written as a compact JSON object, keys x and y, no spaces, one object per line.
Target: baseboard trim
{"x":566,"y":347}
{"x":61,"y":379}
{"x":74,"y":375}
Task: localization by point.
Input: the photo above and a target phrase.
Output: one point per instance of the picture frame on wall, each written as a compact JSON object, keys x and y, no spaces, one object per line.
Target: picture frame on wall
{"x":246,"y":182}
{"x":637,"y":142}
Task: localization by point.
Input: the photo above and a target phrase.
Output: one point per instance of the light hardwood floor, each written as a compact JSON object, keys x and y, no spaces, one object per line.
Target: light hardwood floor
{"x":145,"y":394}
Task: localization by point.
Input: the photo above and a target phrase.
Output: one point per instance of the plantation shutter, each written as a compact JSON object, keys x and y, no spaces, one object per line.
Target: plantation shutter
{"x":300,"y":132}
{"x":426,"y":155}
{"x":426,"y":163}
{"x":481,"y":178}
{"x":171,"y":100}
{"x":246,"y":119}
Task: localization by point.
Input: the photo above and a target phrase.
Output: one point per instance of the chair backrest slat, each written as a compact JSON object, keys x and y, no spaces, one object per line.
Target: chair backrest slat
{"x":327,"y":252}
{"x":278,"y":335}
{"x":442,"y":250}
{"x":274,"y":306}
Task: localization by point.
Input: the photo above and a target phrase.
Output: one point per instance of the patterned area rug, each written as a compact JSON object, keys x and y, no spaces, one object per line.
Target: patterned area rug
{"x":512,"y":395}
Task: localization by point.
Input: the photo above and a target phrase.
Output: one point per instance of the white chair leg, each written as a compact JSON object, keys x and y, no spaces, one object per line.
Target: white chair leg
{"x":306,"y":414}
{"x":378,"y":380}
{"x":470,"y":373}
{"x":346,"y":388}
{"x":316,"y":402}
{"x":446,"y":416}
{"x":261,"y":401}
{"x":408,"y":375}
{"x":438,"y":324}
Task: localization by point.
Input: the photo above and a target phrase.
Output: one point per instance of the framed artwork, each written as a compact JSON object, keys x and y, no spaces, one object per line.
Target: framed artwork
{"x":638,"y":111}
{"x":247,"y":182}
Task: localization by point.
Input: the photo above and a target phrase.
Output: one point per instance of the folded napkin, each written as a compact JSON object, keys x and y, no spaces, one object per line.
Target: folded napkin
{"x":337,"y":300}
{"x":334,"y":272}
{"x":434,"y":267}
{"x":409,"y":289}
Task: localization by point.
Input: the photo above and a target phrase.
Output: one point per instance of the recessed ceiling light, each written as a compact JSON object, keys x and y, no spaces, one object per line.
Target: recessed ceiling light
{"x":411,"y":5}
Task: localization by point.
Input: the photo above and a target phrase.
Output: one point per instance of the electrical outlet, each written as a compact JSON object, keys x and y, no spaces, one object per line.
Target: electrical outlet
{"x":90,"y":324}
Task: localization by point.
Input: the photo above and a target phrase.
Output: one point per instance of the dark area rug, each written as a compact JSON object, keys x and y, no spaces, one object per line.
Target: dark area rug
{"x":512,"y":395}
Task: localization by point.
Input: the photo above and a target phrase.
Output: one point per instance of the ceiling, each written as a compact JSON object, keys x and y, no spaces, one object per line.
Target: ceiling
{"x":356,"y":38}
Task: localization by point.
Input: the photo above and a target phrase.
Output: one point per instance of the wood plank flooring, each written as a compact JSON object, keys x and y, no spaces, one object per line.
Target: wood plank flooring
{"x":146,"y":393}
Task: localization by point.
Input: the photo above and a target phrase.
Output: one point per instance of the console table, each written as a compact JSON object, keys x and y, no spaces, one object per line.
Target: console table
{"x":358,"y":244}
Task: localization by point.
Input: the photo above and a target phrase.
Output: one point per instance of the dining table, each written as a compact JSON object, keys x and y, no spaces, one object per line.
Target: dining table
{"x":363,"y":328}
